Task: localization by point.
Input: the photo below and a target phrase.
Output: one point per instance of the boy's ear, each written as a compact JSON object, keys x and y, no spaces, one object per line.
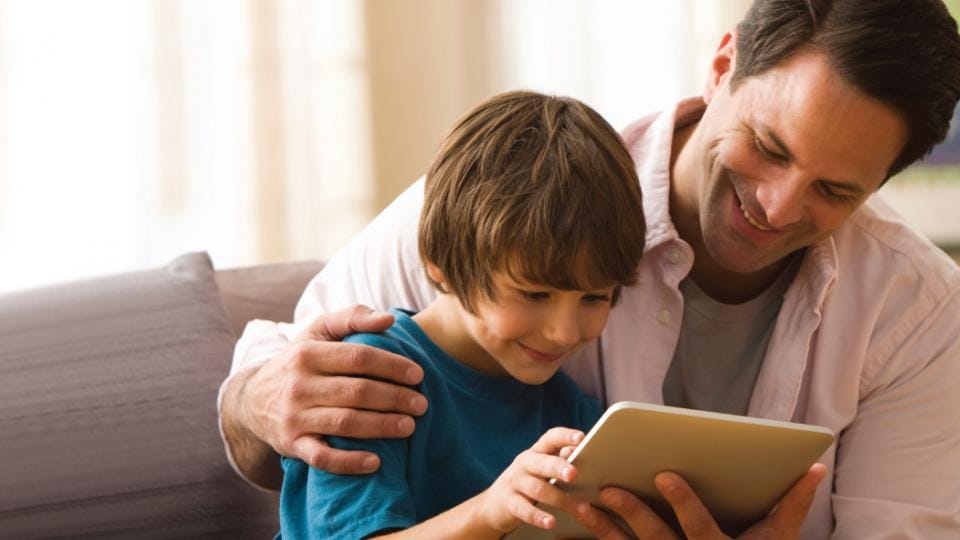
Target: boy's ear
{"x":436,"y":275}
{"x":722,"y":66}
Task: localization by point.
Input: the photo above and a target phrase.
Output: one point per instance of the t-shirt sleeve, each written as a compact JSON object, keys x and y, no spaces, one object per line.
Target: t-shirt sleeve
{"x":318,"y":504}
{"x":315,"y":504}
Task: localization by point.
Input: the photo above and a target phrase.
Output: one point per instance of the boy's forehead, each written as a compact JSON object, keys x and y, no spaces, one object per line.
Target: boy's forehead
{"x":523,"y":275}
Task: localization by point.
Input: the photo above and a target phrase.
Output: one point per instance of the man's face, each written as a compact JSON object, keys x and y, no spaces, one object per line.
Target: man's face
{"x":784,"y":160}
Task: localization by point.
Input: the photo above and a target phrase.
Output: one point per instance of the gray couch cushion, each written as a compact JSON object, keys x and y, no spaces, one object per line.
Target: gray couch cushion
{"x":266,"y":291}
{"x":108,"y":423}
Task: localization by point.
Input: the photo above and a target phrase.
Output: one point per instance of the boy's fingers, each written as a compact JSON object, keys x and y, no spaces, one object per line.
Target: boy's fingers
{"x":567,"y":451}
{"x":320,"y":455}
{"x":547,"y":466}
{"x":539,"y":490}
{"x":525,"y":511}
{"x":556,"y":438}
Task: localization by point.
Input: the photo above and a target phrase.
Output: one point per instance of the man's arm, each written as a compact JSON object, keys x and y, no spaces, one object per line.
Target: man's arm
{"x":306,"y":385}
{"x":897,"y":462}
{"x":316,"y":385}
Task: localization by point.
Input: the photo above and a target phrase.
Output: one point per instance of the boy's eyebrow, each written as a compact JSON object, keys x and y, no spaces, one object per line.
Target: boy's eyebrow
{"x":850,"y":187}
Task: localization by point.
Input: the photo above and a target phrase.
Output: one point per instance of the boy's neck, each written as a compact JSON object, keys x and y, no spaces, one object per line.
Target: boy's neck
{"x":442,"y":321}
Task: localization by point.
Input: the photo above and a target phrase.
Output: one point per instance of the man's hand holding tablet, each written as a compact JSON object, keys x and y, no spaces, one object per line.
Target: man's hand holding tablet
{"x":734,"y":469}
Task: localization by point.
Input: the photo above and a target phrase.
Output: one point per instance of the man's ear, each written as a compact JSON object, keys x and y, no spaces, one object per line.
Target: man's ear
{"x":722,"y":66}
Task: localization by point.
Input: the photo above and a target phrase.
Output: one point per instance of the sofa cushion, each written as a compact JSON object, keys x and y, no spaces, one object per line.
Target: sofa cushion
{"x":266,"y":291}
{"x":108,"y":423}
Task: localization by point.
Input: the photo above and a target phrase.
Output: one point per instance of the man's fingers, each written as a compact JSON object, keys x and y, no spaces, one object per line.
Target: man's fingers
{"x":793,"y":508}
{"x":358,"y":393}
{"x":555,"y":439}
{"x":320,"y":455}
{"x":353,"y":423}
{"x":644,"y":521}
{"x":694,"y":518}
{"x":340,"y":324}
{"x":335,"y":358}
{"x":599,"y":524}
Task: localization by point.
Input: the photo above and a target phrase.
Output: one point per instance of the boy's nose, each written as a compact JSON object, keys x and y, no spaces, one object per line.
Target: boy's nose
{"x":563,"y":329}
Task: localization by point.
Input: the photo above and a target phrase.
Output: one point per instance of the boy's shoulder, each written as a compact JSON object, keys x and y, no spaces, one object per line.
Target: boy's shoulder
{"x":398,"y":339}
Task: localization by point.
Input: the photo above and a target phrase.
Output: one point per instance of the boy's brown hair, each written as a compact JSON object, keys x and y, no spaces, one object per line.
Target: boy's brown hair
{"x":538,"y":186}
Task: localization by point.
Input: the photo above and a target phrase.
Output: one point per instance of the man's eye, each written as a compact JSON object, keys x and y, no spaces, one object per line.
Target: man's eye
{"x":829,"y":193}
{"x":766,"y":152}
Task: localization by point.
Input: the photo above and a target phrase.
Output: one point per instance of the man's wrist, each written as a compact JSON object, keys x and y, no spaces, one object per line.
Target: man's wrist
{"x":251,"y":457}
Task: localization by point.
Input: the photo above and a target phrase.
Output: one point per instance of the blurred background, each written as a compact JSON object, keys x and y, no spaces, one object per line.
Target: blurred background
{"x":272,"y":130}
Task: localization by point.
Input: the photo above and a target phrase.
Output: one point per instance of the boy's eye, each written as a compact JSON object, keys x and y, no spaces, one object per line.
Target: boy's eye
{"x":596,"y":298}
{"x":535,"y":295}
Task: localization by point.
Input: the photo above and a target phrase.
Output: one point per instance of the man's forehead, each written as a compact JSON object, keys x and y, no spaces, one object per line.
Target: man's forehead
{"x":824,"y":122}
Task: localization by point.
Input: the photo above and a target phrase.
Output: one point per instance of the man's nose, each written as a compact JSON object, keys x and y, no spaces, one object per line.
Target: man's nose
{"x":782,"y":200}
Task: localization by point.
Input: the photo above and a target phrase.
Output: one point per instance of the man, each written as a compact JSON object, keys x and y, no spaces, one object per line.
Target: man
{"x":771,"y":286}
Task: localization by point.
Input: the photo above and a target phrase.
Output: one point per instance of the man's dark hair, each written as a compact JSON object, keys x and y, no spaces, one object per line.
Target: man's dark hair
{"x":905,"y":53}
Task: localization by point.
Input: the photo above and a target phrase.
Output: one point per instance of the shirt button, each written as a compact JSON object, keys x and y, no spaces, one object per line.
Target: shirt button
{"x":674,"y":256}
{"x":663,"y":317}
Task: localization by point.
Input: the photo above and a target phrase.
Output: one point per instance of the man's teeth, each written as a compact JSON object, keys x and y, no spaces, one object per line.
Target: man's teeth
{"x":752,"y":221}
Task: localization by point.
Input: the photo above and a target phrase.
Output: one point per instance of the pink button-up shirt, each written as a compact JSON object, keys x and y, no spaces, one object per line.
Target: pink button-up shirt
{"x":867,"y":343}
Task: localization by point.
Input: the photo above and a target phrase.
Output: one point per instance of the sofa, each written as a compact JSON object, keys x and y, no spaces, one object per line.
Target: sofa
{"x":108,"y":421}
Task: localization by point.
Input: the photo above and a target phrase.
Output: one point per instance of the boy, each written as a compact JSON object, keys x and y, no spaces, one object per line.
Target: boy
{"x":532,"y":222}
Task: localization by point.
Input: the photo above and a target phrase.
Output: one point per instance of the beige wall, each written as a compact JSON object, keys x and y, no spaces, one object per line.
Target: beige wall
{"x":429,"y":62}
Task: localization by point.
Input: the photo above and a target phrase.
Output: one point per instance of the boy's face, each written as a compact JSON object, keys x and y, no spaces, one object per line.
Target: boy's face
{"x":530,"y":330}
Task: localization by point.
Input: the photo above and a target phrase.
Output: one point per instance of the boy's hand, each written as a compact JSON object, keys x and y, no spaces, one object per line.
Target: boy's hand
{"x":510,"y":500}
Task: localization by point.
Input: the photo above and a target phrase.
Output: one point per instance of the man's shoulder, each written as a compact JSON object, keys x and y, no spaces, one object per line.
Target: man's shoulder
{"x":877,"y":238}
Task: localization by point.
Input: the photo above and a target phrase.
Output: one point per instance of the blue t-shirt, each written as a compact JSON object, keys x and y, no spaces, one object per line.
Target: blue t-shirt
{"x":473,"y":429}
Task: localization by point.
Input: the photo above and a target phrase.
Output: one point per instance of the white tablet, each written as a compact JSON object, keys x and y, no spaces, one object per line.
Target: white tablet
{"x":740,"y":467}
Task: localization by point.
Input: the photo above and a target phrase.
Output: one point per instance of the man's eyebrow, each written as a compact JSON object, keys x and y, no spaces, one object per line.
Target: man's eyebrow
{"x":850,"y":187}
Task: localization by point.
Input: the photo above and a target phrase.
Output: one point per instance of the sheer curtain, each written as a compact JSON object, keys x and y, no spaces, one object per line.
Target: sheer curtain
{"x":134,"y":130}
{"x":270,"y":130}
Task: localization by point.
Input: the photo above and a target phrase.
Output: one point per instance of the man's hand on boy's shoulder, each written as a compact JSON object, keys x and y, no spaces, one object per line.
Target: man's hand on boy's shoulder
{"x":319,"y":386}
